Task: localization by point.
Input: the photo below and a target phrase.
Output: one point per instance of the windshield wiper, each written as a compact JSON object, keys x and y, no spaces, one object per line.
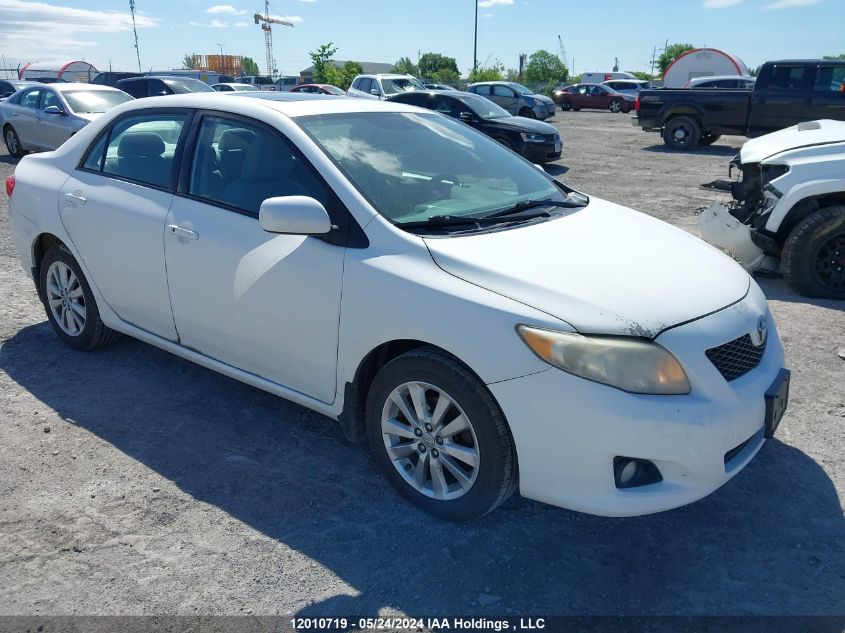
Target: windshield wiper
{"x":519,"y":207}
{"x":437,"y":221}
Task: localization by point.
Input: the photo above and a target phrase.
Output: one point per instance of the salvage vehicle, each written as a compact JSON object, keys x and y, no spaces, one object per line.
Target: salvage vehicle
{"x":406,"y":275}
{"x":785,"y":93}
{"x":382,"y":85}
{"x":515,"y":98}
{"x":593,"y":97}
{"x":788,"y":209}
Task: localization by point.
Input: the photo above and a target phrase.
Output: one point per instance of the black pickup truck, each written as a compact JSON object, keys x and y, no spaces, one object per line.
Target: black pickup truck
{"x":786,"y":93}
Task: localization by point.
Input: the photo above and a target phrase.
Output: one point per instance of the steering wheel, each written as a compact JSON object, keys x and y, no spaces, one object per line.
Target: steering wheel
{"x":441,"y":184}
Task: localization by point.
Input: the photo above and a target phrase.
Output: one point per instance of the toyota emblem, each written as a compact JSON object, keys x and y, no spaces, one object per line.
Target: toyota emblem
{"x":762,"y":328}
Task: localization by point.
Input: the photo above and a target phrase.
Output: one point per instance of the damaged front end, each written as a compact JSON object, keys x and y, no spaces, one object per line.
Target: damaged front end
{"x":739,"y":226}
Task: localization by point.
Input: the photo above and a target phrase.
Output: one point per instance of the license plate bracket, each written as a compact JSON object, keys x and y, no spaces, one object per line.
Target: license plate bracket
{"x":777,"y":398}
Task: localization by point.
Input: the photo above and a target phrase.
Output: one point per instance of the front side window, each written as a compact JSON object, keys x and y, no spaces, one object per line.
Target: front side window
{"x":29,"y":99}
{"x":240,"y":165}
{"x":502,"y":91}
{"x":50,"y":98}
{"x":830,"y":79}
{"x":141,"y":149}
{"x":414,"y":166}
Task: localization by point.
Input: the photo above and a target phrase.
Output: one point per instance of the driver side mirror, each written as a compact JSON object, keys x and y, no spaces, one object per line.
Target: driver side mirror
{"x":54,"y":109}
{"x":375,"y":91}
{"x":294,"y":215}
{"x":467,"y":117}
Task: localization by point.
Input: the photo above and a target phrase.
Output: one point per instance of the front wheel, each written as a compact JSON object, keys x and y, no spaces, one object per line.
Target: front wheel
{"x":439,"y":437}
{"x":13,"y":142}
{"x":615,"y":106}
{"x":681,"y":133}
{"x":528,"y":113}
{"x":565,"y":105}
{"x":70,"y":304}
{"x":813,"y":255}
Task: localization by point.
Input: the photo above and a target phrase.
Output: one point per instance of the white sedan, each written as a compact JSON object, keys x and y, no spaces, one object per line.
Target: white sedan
{"x":484,"y":326}
{"x":39,"y":117}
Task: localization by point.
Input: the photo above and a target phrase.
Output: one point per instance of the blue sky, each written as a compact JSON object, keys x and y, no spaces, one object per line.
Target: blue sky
{"x":593,"y":33}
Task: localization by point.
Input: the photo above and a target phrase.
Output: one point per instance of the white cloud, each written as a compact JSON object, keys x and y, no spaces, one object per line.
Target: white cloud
{"x":308,"y":0}
{"x":42,"y":29}
{"x":214,"y":24}
{"x":488,"y":15}
{"x":492,"y":3}
{"x":241,"y":24}
{"x":225,"y":8}
{"x":720,"y":4}
{"x":295,"y":19}
{"x":788,"y":4}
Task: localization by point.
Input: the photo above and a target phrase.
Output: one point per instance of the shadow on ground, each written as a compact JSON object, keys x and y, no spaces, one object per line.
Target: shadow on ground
{"x":704,"y":150}
{"x":772,"y":541}
{"x":777,"y":289}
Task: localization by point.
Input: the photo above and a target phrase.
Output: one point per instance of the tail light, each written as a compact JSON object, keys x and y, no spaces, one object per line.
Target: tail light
{"x":10,"y":185}
{"x":637,"y":105}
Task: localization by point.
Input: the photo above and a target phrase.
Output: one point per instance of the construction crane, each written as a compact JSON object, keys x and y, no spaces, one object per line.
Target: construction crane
{"x":265,"y":21}
{"x":135,"y":31}
{"x":562,"y":50}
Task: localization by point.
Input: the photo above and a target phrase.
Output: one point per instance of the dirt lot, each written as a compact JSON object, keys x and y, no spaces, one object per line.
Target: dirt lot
{"x":134,"y":482}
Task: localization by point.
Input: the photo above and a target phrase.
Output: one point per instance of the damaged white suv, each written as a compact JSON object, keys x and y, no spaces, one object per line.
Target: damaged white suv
{"x":788,"y":212}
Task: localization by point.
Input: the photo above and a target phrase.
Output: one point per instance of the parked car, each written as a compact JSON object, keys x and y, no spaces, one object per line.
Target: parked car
{"x":233,"y":87}
{"x":435,"y":86}
{"x":480,"y":327}
{"x":381,"y":86}
{"x":737,"y":82}
{"x":788,"y":209}
{"x":8,"y":87}
{"x":594,"y":97}
{"x":600,"y":77}
{"x":140,"y":87}
{"x":110,"y":78}
{"x":536,"y":141}
{"x":515,"y":98}
{"x":785,"y":93}
{"x":319,"y":89}
{"x":39,"y":118}
{"x":630,"y":87}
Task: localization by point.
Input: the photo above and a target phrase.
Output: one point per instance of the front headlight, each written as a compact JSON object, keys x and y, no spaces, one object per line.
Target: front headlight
{"x":627,"y":363}
{"x":532,"y":138}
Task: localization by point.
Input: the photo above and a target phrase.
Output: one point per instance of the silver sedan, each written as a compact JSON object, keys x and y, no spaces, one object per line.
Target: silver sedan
{"x":40,"y":117}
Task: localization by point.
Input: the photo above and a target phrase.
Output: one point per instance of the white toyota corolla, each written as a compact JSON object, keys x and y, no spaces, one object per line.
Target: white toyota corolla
{"x":484,"y":326}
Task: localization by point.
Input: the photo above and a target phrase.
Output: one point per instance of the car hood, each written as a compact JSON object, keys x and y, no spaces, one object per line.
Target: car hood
{"x":542,"y":98}
{"x":603,"y":269}
{"x":523,"y":124}
{"x":806,"y":134}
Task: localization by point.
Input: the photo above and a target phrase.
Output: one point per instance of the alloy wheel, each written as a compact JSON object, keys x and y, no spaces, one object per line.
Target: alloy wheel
{"x":615,"y":107}
{"x":430,"y":441}
{"x":66,"y":299}
{"x":12,"y":141}
{"x":830,"y":262}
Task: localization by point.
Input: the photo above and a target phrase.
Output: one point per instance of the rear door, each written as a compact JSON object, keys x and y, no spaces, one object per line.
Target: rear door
{"x":783,"y":100}
{"x":114,"y":207}
{"x":23,"y":118}
{"x":827,"y":100}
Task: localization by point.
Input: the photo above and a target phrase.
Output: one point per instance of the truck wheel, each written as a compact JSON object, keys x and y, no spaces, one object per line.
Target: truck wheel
{"x":565,"y":105}
{"x":681,"y":133}
{"x":708,"y":138}
{"x":814,"y":255}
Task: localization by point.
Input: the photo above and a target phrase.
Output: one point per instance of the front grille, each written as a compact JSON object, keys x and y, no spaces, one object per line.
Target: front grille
{"x":736,"y":358}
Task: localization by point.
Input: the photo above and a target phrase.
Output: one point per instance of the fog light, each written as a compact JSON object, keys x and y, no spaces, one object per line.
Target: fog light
{"x":630,"y":472}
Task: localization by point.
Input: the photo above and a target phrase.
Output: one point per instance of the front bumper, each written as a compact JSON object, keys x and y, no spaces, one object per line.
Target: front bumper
{"x":542,"y":152}
{"x":723,"y":230}
{"x":568,"y":430}
{"x":544,"y":110}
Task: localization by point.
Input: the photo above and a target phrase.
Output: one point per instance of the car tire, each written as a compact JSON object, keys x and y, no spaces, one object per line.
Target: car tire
{"x":421,"y":462}
{"x":616,"y":106}
{"x":13,"y":142}
{"x":681,"y":133}
{"x":528,"y":113}
{"x":70,"y":304}
{"x":565,"y":105}
{"x":708,"y":138}
{"x":813,"y":257}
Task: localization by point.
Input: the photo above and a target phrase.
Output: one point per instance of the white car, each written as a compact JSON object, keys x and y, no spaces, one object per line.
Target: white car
{"x":382,"y":85}
{"x":235,"y":87}
{"x":41,"y":117}
{"x":484,"y":326}
{"x":737,"y":82}
{"x":630,"y":87}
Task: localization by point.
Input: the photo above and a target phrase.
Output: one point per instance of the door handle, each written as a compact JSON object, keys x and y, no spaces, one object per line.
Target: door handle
{"x":179,"y":231}
{"x":74,"y":199}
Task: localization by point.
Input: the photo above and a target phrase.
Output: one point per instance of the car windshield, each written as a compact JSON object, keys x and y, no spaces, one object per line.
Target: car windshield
{"x":401,"y":84}
{"x":520,"y":89}
{"x":94,"y":101}
{"x":484,"y":108}
{"x":413,"y":167}
{"x":334,"y":90}
{"x":188,"y":85}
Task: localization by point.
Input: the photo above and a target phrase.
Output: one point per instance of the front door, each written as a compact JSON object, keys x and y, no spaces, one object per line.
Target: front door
{"x":504,"y":97}
{"x":52,"y":128}
{"x":114,"y":208}
{"x":265,"y":303}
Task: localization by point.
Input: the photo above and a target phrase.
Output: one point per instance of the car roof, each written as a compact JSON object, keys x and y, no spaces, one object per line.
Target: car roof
{"x":74,"y":87}
{"x":720,"y":77}
{"x":229,"y":83}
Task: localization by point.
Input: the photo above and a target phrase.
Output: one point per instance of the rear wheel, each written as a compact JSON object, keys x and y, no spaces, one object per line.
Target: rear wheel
{"x":439,"y":437}
{"x":615,"y":105}
{"x":70,"y":304}
{"x":528,"y":113}
{"x":565,"y":105}
{"x":13,"y":142}
{"x":814,"y":255}
{"x":708,"y":138}
{"x":681,"y":133}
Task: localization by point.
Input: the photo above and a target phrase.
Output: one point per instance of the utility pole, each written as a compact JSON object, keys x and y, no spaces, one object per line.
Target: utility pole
{"x":475,"y":42}
{"x":653,"y":60}
{"x":615,"y":64}
{"x":135,"y":31}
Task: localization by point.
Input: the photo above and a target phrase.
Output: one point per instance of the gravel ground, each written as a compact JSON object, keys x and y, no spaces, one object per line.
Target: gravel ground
{"x":133,"y":482}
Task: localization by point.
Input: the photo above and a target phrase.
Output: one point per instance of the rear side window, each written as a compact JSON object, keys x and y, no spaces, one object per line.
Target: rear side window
{"x":140,"y":149}
{"x":787,"y":78}
{"x":481,"y":90}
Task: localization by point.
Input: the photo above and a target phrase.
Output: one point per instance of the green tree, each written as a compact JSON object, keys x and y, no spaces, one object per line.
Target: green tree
{"x":835,"y":57}
{"x":672,"y":52}
{"x":439,"y":67}
{"x":249,"y":67}
{"x":322,"y":60}
{"x":494,"y":72}
{"x":543,"y":67}
{"x":342,"y":77}
{"x":188,"y":62}
{"x":513,"y":75}
{"x":406,"y":67}
{"x":644,"y":76}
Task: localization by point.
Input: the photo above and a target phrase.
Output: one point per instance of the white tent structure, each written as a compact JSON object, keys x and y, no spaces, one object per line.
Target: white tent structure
{"x":68,"y":70}
{"x":702,"y":62}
